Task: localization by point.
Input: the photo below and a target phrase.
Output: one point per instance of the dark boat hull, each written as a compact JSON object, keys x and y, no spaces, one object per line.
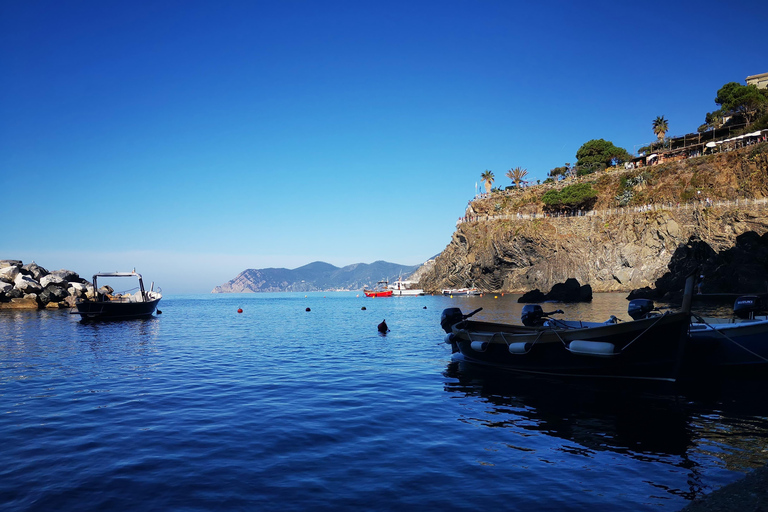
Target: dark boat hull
{"x":644,"y":349}
{"x":730,"y":348}
{"x":112,"y":310}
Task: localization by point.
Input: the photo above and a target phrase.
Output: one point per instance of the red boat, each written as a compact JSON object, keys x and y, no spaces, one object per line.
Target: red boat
{"x":380,"y":290}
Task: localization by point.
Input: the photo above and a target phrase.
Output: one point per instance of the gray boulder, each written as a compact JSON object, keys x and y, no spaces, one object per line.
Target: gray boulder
{"x":52,"y":293}
{"x":53,"y":278}
{"x":8,"y":273}
{"x":34,"y":270}
{"x":77,"y":289}
{"x":10,"y":263}
{"x":67,"y":275}
{"x":26,"y":284}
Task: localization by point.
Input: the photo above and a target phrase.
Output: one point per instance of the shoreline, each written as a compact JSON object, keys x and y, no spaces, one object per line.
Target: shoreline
{"x":749,"y":494}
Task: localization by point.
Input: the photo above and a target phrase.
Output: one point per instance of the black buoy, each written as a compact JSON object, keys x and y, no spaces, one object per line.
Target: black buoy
{"x":425,"y":307}
{"x":159,"y":312}
{"x":383,"y":327}
{"x":362,"y":308}
{"x":307,"y":309}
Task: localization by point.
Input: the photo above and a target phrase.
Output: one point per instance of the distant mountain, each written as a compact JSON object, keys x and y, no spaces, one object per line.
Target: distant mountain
{"x":317,"y":276}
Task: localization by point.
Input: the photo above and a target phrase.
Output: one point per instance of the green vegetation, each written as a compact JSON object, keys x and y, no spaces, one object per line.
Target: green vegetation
{"x":597,"y":154}
{"x":517,"y":175}
{"x":558,"y":172}
{"x":746,"y":101}
{"x":660,"y":127}
{"x":580,"y":196}
{"x":488,"y":178}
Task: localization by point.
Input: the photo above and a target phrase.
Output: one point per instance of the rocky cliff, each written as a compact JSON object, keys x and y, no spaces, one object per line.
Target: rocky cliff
{"x":612,"y":248}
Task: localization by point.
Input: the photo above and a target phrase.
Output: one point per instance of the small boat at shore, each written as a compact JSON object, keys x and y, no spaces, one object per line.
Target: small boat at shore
{"x":461,"y":291}
{"x":107,"y":305}
{"x":380,"y":290}
{"x":648,"y":348}
{"x":738,"y":344}
{"x":401,"y":288}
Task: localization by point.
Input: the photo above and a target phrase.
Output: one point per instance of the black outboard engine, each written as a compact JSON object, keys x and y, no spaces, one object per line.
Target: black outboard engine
{"x":450,"y":317}
{"x":640,"y":308}
{"x":745,"y":307}
{"x":532,"y":315}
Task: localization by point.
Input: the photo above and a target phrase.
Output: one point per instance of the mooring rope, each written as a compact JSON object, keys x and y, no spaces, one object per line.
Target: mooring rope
{"x":718,"y":331}
{"x":645,"y":331}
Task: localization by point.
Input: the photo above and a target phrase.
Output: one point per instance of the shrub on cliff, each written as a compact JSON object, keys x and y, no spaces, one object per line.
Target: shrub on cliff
{"x":597,"y":154}
{"x":580,"y":196}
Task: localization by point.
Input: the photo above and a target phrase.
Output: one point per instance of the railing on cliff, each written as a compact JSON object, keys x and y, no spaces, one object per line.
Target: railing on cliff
{"x":706,"y":203}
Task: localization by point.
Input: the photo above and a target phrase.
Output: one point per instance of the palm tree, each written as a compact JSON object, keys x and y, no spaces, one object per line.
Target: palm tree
{"x":660,"y":127}
{"x":517,"y":174}
{"x":487,"y":177}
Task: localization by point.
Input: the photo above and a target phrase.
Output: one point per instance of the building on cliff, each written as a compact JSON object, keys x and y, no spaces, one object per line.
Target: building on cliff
{"x":761,"y":80}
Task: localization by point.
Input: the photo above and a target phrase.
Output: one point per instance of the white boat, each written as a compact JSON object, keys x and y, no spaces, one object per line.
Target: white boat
{"x":462,"y":291}
{"x":402,"y":288}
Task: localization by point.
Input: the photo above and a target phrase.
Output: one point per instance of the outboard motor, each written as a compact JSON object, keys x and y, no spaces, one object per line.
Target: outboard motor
{"x":640,"y":308}
{"x":745,"y":307}
{"x":532,"y":315}
{"x":450,"y":317}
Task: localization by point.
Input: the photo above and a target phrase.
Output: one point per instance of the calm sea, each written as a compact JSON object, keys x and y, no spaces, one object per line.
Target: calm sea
{"x":279,"y":408}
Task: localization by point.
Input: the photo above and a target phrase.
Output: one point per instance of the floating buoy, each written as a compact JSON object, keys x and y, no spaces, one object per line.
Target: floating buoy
{"x":495,"y":296}
{"x":383,"y":328}
{"x":425,"y":307}
{"x":239,"y":310}
{"x":307,"y":309}
{"x":362,"y":308}
{"x":159,"y":312}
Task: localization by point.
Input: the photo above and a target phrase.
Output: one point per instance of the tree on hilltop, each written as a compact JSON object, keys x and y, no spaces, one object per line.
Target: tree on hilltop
{"x":557,"y":172}
{"x":517,"y":175}
{"x":746,"y":102}
{"x":660,"y":127}
{"x":488,"y":178}
{"x":597,"y":154}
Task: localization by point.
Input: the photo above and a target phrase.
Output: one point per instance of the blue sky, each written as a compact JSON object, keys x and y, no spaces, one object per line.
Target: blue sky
{"x":193,"y":140}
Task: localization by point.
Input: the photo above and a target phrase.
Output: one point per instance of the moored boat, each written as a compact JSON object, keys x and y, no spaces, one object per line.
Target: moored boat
{"x":461,"y":291}
{"x":107,"y":305}
{"x":738,"y":344}
{"x":380,"y":290}
{"x":642,"y":349}
{"x":402,"y":288}
{"x":648,"y":348}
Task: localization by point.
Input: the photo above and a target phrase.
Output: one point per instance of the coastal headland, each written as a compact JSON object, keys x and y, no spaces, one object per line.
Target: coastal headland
{"x":31,"y":286}
{"x":697,"y":209}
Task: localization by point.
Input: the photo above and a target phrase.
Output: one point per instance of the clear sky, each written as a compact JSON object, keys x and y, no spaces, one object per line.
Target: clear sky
{"x":196,"y":139}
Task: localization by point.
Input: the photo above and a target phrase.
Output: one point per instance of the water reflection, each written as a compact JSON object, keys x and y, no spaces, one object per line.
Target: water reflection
{"x":724,"y":423}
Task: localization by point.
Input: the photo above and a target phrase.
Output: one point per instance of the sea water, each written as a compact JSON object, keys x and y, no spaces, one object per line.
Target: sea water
{"x":299,"y":403}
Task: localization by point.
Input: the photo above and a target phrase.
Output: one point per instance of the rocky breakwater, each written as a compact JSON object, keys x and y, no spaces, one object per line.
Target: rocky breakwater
{"x":33,"y":287}
{"x":620,"y":251}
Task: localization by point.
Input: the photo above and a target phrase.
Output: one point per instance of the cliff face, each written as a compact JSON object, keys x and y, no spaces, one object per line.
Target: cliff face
{"x":617,"y":250}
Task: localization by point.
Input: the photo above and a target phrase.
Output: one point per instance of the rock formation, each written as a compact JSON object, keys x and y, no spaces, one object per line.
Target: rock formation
{"x":618,"y":252}
{"x":569,"y":291}
{"x":32,"y":287}
{"x":504,"y":248}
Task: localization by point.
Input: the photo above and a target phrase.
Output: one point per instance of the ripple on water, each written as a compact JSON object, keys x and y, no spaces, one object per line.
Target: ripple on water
{"x":278,"y":408}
